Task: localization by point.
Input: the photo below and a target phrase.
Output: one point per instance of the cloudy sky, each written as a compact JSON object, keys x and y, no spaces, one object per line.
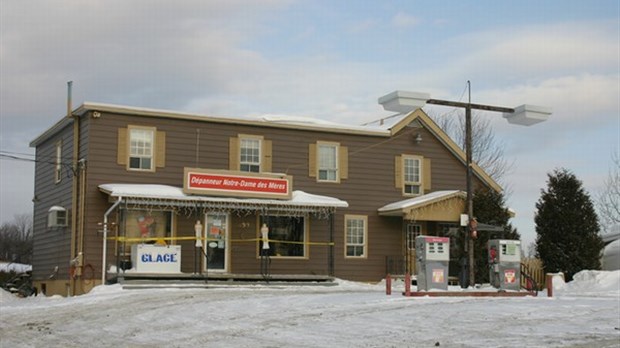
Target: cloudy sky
{"x":326,"y":59}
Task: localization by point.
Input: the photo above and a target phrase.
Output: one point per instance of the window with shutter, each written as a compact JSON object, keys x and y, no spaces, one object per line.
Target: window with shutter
{"x":412,"y":174}
{"x":328,"y":161}
{"x":141,"y":148}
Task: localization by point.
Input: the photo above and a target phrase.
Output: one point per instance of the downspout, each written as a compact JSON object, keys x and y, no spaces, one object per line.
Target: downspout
{"x":74,"y":193}
{"x":105,"y":239}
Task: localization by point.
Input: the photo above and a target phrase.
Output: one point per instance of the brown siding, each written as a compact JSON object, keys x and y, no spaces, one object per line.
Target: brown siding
{"x":369,"y":185}
{"x":52,"y":245}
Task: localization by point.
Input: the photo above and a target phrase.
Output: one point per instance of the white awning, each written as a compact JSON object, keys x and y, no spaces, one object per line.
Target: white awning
{"x":147,"y":194}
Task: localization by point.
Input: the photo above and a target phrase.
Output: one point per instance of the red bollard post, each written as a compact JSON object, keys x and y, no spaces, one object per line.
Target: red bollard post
{"x":407,"y":284}
{"x":388,"y":285}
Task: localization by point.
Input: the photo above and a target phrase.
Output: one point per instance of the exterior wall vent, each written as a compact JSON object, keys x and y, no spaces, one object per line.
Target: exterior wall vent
{"x":57,"y":216}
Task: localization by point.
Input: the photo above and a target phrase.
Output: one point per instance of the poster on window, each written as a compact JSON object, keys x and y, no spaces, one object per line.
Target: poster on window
{"x":147,"y":224}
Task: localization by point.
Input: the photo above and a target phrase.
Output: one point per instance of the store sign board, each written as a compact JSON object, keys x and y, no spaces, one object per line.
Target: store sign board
{"x":237,"y":184}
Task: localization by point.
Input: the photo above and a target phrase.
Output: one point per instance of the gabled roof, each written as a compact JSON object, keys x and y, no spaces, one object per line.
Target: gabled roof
{"x":434,"y":206}
{"x":397,"y":122}
{"x":385,"y":127}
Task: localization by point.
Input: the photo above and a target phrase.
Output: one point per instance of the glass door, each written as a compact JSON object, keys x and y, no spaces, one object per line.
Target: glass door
{"x":216,"y":250}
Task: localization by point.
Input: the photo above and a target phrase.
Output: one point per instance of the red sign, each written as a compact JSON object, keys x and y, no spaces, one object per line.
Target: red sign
{"x":224,"y":184}
{"x":437,"y":239}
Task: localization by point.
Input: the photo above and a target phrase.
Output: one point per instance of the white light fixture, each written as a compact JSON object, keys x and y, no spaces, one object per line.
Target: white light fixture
{"x":527,"y":115}
{"x":403,"y":101}
{"x":417,"y":138}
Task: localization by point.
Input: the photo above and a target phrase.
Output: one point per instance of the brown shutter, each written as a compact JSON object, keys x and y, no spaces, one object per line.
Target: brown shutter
{"x":343,"y":159}
{"x":312,"y":160}
{"x":398,"y":172}
{"x":266,"y":161}
{"x":121,"y":152}
{"x":160,"y":151}
{"x":233,"y":154}
{"x":426,"y":175}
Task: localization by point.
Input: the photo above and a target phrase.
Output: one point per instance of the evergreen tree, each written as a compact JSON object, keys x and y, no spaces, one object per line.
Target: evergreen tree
{"x":489,"y":208}
{"x":567,"y":227}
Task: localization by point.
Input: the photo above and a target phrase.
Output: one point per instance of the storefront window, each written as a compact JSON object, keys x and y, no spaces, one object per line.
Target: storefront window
{"x":286,"y":236}
{"x":141,"y":224}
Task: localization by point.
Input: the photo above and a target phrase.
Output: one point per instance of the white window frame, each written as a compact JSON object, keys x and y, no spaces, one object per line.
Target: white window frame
{"x":324,"y":169}
{"x":409,"y":182}
{"x":143,"y":152}
{"x":349,"y":238}
{"x":250,"y":164}
{"x":58,"y":164}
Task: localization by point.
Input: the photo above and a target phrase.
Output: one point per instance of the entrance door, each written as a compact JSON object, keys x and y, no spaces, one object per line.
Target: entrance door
{"x":216,"y":250}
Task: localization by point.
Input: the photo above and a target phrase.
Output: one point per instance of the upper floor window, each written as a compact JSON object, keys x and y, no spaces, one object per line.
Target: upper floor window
{"x":141,"y":144}
{"x":141,"y":148}
{"x":412,"y":175}
{"x":356,"y":236}
{"x":58,"y":163}
{"x":250,"y":155}
{"x":328,"y":161}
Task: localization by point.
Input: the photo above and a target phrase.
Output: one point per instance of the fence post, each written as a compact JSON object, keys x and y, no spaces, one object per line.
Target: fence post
{"x":407,"y":284}
{"x":388,"y":284}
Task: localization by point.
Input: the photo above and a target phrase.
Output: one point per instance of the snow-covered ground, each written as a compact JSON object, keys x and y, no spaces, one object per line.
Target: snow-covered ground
{"x":582,"y":313}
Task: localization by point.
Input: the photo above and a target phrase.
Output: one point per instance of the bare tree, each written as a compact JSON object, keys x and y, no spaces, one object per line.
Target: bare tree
{"x":487,"y":151}
{"x":608,"y":200}
{"x":16,"y":240}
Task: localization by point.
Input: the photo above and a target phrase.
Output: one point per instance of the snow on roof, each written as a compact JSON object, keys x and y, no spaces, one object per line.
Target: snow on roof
{"x":386,"y":123}
{"x":299,"y":198}
{"x":422,"y":200}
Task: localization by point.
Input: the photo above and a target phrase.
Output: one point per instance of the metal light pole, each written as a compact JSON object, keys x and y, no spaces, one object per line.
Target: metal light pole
{"x":525,"y":115}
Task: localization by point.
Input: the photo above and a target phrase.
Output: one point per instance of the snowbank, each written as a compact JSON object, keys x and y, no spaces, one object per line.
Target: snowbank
{"x":589,"y":283}
{"x":14,"y":267}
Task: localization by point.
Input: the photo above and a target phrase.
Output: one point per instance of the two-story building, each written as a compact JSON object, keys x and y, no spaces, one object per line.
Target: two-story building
{"x":134,"y":192}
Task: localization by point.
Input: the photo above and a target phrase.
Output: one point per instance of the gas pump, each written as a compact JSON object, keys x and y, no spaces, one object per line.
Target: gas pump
{"x":433,"y":258}
{"x":505,"y":264}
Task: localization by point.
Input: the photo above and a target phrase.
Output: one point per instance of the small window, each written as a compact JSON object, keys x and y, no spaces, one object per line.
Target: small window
{"x":287,"y":236}
{"x":57,"y":217}
{"x":328,"y":162}
{"x":413,"y":230}
{"x":412,"y":174}
{"x":58,"y":163}
{"x":356,"y":236}
{"x":249,"y":151}
{"x":141,"y":148}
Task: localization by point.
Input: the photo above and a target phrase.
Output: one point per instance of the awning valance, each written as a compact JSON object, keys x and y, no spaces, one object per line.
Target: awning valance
{"x":434,"y":206}
{"x":149,"y":195}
